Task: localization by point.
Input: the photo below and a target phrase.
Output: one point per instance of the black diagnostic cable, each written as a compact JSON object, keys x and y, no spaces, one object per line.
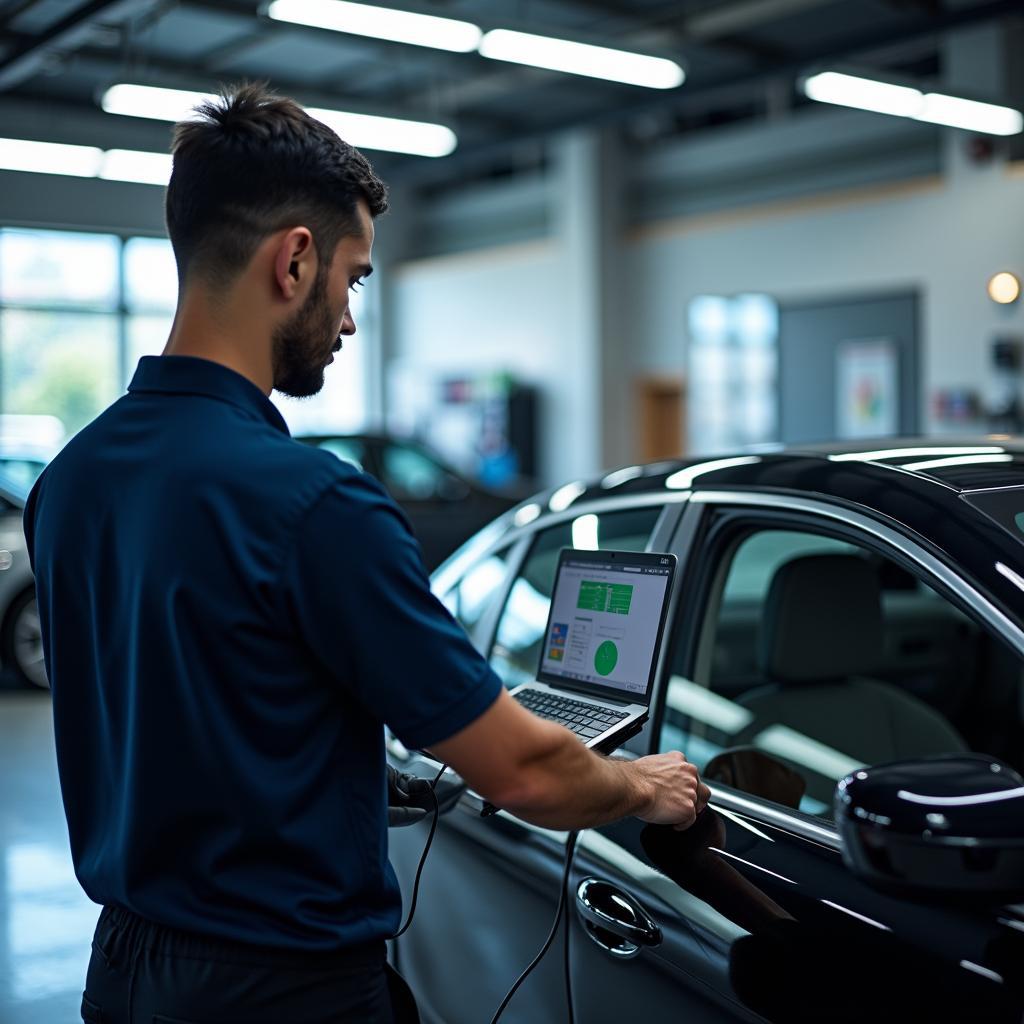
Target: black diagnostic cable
{"x":423,"y":856}
{"x":563,"y":898}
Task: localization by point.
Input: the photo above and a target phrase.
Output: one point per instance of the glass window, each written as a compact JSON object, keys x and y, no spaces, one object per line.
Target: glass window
{"x":516,"y":652}
{"x":348,"y":449}
{"x":474,"y":595}
{"x":61,"y":364}
{"x":150,"y":275}
{"x":147,"y":336}
{"x":411,"y":475}
{"x":19,"y":473}
{"x":59,"y":268}
{"x":819,"y":656}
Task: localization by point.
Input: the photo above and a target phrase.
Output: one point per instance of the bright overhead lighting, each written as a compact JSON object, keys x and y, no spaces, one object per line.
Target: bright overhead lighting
{"x":1004,"y":288}
{"x":971,"y":115}
{"x":905,"y":101}
{"x":581,"y":59}
{"x":85,"y":161}
{"x":152,"y":102}
{"x":366,"y":131}
{"x":49,"y":158}
{"x":380,"y":23}
{"x":863,"y":93}
{"x":133,"y":165}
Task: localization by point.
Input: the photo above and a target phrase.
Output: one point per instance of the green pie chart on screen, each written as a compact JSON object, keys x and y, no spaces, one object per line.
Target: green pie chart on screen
{"x":606,"y":657}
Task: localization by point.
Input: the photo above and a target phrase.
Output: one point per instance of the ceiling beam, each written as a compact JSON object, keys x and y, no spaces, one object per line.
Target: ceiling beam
{"x":68,"y":33}
{"x":849,"y":47}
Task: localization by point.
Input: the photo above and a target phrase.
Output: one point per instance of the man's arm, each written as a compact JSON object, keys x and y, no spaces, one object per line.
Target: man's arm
{"x":542,"y":773}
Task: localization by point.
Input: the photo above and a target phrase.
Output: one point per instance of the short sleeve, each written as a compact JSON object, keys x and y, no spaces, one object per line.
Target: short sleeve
{"x":361,"y":601}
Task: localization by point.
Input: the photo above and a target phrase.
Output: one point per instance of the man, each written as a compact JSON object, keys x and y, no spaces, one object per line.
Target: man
{"x":230,"y":618}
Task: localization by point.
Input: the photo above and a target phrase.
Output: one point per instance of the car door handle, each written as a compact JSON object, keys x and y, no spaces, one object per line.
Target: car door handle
{"x":614,"y":920}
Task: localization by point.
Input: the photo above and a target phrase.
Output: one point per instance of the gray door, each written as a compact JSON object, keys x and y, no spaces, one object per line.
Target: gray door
{"x":811,"y":339}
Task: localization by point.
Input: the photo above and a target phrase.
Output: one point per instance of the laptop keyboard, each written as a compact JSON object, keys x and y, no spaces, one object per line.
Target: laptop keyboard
{"x":586,"y":720}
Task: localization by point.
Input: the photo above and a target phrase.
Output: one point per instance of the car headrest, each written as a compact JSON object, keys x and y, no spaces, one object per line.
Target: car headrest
{"x":822,"y":620}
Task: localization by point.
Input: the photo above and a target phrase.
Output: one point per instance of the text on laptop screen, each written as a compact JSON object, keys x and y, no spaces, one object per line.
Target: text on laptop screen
{"x":604,"y":624}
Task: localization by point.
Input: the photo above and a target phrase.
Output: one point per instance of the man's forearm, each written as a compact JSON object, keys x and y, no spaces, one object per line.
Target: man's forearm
{"x":571,"y":787}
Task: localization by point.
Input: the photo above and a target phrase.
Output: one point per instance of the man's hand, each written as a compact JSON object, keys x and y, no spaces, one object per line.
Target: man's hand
{"x":675,"y":794}
{"x":409,"y":798}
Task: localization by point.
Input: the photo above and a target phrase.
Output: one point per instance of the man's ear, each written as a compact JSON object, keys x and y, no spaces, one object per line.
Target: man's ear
{"x":294,"y":262}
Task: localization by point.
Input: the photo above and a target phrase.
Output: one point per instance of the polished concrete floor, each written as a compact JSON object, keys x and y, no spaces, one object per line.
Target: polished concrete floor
{"x":46,"y":921}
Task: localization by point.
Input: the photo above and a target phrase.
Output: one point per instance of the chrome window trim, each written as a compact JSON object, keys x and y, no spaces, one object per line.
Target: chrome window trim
{"x":453,"y":569}
{"x":777,"y":817}
{"x":781,"y":818}
{"x":954,"y":583}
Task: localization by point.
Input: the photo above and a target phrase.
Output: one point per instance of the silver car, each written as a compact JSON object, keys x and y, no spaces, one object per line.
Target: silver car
{"x":21,"y":648}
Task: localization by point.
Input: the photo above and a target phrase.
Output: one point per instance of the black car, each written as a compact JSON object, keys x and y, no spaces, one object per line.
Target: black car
{"x":836,"y":611}
{"x":444,"y":508}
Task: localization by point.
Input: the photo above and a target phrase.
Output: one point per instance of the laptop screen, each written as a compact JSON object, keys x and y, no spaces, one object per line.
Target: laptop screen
{"x":606,"y":621}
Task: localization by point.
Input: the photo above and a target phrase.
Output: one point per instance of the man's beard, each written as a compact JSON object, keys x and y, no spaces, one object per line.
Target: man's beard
{"x":302,"y":344}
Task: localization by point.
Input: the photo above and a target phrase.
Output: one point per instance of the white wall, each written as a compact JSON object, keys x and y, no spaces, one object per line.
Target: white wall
{"x":945,"y":237}
{"x":504,"y":308}
{"x":500,"y":309}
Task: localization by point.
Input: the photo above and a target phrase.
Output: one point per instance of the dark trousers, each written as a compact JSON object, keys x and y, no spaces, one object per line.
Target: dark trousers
{"x":141,"y":973}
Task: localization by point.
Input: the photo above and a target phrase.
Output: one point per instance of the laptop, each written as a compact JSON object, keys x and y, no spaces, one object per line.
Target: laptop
{"x":600,"y":648}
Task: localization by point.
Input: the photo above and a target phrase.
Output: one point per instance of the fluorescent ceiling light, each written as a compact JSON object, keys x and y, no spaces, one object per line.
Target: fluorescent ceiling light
{"x":49,"y":158}
{"x":380,"y":23}
{"x":905,"y":101}
{"x":581,"y":59}
{"x":85,"y":161}
{"x":152,"y":102}
{"x":133,"y":165}
{"x":366,"y":131}
{"x":863,"y":93}
{"x":970,"y":115}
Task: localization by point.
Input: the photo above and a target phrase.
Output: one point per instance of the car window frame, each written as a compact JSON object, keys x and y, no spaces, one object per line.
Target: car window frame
{"x":664,"y":526}
{"x":704,"y":513}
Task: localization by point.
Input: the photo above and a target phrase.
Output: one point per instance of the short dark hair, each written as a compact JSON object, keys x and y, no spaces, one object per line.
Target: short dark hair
{"x":250,"y":163}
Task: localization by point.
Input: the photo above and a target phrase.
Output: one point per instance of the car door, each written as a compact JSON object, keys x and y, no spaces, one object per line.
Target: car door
{"x":491,"y":885}
{"x":751,"y":914}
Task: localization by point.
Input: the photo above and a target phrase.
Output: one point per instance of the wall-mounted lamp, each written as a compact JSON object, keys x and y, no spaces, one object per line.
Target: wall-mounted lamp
{"x":1004,"y":288}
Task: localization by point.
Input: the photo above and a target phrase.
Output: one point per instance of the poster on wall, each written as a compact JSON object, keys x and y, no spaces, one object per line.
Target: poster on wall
{"x":867,"y":388}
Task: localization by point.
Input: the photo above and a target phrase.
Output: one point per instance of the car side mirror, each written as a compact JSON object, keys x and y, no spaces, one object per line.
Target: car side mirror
{"x":950,"y":825}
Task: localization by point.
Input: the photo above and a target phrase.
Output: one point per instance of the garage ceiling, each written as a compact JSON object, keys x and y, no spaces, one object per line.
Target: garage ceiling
{"x":741,"y":58}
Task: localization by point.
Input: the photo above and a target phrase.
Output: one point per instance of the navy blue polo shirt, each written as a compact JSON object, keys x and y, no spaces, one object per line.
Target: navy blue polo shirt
{"x":230,"y":618}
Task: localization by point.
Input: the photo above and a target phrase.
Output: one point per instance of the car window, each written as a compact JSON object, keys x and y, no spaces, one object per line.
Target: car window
{"x":818,"y":656}
{"x":347,"y":449}
{"x":22,"y":473}
{"x":411,"y":475}
{"x":516,"y":652}
{"x":474,"y":594}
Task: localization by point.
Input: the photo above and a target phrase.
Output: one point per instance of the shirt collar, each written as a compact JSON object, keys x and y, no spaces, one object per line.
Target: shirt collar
{"x":190,"y":375}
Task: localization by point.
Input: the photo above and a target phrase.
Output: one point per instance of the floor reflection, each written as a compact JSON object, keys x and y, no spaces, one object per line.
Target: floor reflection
{"x":46,"y":922}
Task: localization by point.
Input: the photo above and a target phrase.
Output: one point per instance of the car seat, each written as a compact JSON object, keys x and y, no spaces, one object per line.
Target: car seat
{"x":821,"y":638}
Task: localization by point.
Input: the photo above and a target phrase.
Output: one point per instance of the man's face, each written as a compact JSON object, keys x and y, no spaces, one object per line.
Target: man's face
{"x":305,"y":344}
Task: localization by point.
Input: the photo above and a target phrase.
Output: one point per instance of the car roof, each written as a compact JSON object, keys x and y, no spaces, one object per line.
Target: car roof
{"x":958,"y":464}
